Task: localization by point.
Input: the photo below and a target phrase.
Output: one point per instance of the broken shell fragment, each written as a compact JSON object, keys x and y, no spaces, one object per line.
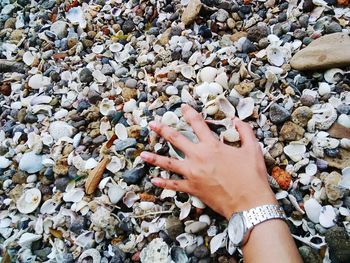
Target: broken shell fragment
{"x":29,"y":201}
{"x":333,"y":75}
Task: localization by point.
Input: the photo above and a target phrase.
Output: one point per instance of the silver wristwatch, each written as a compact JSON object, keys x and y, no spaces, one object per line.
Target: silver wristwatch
{"x":241,"y":223}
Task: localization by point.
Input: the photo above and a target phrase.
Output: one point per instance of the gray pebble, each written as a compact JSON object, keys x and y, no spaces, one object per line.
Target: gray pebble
{"x":333,"y":27}
{"x":278,"y":114}
{"x":201,"y":251}
{"x":131,"y":83}
{"x":121,"y":145}
{"x":134,"y":175}
{"x":86,"y":75}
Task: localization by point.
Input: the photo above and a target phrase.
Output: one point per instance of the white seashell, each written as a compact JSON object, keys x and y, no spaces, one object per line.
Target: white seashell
{"x":170,"y":118}
{"x":29,"y":201}
{"x":344,"y":120}
{"x":4,"y":163}
{"x":311,"y":169}
{"x":73,"y":195}
{"x":222,"y":79}
{"x":324,"y":88}
{"x":185,"y":208}
{"x":76,"y":16}
{"x":114,"y":165}
{"x":330,"y":75}
{"x":344,"y":211}
{"x":205,"y":89}
{"x":121,"y":131}
{"x":187,"y":71}
{"x":130,"y":106}
{"x":156,"y":251}
{"x":186,"y":239}
{"x":30,"y":162}
{"x":294,"y":202}
{"x":305,"y":179}
{"x":196,"y":202}
{"x":313,"y":210}
{"x":90,"y":253}
{"x":60,"y":129}
{"x":91,"y":163}
{"x":144,"y":205}
{"x":208,"y":74}
{"x":38,"y":81}
{"x":42,"y":99}
{"x":345,"y":179}
{"x":205,"y":219}
{"x":130,"y":198}
{"x":281,"y":195}
{"x":106,"y":107}
{"x":324,"y":115}
{"x":116,"y":47}
{"x":115,"y":193}
{"x":85,"y":240}
{"x":48,"y":207}
{"x":171,"y":90}
{"x":105,"y":126}
{"x":275,"y":55}
{"x":60,"y":114}
{"x":295,"y":151}
{"x":217,"y":242}
{"x":99,"y":76}
{"x":245,"y":108}
{"x":327,"y":216}
{"x":345,"y":143}
{"x":166,"y":193}
{"x":211,"y":107}
{"x":28,"y":58}
{"x":27,"y":239}
{"x":225,"y":106}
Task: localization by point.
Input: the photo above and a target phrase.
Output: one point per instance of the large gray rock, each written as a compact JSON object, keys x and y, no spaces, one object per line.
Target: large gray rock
{"x":339,"y":244}
{"x":328,"y":51}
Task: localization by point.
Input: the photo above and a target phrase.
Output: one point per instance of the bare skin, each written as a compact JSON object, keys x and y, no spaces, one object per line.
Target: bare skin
{"x":235,"y":178}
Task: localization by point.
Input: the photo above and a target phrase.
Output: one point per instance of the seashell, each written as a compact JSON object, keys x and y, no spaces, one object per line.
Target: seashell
{"x":28,"y":58}
{"x":345,"y":179}
{"x":91,"y":163}
{"x":175,"y":153}
{"x":76,"y":16}
{"x":130,"y":106}
{"x":295,"y":151}
{"x":205,"y":89}
{"x":166,"y":193}
{"x":48,"y":207}
{"x":275,"y":55}
{"x":121,"y":131}
{"x":311,"y":169}
{"x":170,"y":118}
{"x":324,"y":115}
{"x":116,"y":47}
{"x":344,"y":211}
{"x":187,"y":71}
{"x":344,"y":120}
{"x":331,"y":75}
{"x":186,"y":239}
{"x":85,"y":240}
{"x":130,"y":198}
{"x":38,"y":81}
{"x":324,"y":88}
{"x":26,"y":240}
{"x":114,"y":165}
{"x":42,"y":99}
{"x":73,"y":195}
{"x":217,"y":242}
{"x":313,"y":210}
{"x":185,"y":208}
{"x":327,"y":216}
{"x":29,"y":201}
{"x":211,"y":107}
{"x":115,"y":193}
{"x":281,"y":195}
{"x":171,"y":90}
{"x":225,"y":106}
{"x":156,"y":251}
{"x":305,"y":179}
{"x":282,"y":177}
{"x":196,"y":202}
{"x":106,"y":107}
{"x":207,"y":74}
{"x":205,"y":219}
{"x":31,"y":162}
{"x":222,"y":79}
{"x":105,"y":126}
{"x":146,"y":205}
{"x":245,"y":108}
{"x":345,"y":143}
{"x":60,"y":129}
{"x":4,"y":163}
{"x":90,"y":253}
{"x":99,"y":76}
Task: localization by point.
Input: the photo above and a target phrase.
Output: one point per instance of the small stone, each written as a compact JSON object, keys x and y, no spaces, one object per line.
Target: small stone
{"x":30,"y":162}
{"x":339,"y":131}
{"x":339,"y":244}
{"x":196,"y":227}
{"x":278,"y":114}
{"x":10,"y":23}
{"x":86,"y":75}
{"x":341,"y":161}
{"x":178,"y":255}
{"x":19,"y":178}
{"x":59,"y":28}
{"x":134,"y":175}
{"x":205,"y":32}
{"x":16,"y":35}
{"x":256,"y":33}
{"x":30,"y":118}
{"x":302,"y":115}
{"x":308,"y":6}
{"x":307,"y":100}
{"x":61,"y":183}
{"x":333,"y":27}
{"x":191,"y":11}
{"x":131,"y":83}
{"x":128,"y":26}
{"x":313,"y":56}
{"x":173,"y":227}
{"x":236,"y":36}
{"x":291,"y":132}
{"x":244,"y":88}
{"x":309,"y":255}
{"x":72,"y":41}
{"x":248,"y":47}
{"x":201,"y":251}
{"x":222,"y":15}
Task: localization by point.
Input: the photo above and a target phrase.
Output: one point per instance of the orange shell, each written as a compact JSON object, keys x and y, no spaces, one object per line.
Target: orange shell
{"x":282,"y":177}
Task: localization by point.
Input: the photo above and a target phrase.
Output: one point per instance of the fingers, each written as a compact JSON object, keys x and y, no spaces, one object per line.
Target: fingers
{"x":163,"y":162}
{"x":197,"y":122}
{"x":172,"y":136}
{"x":246,"y":133}
{"x":176,"y":185}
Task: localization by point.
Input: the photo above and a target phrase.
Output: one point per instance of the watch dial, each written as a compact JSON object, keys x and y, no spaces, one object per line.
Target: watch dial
{"x":236,"y":229}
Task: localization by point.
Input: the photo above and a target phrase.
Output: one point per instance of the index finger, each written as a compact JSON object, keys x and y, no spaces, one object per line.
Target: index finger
{"x":197,"y":123}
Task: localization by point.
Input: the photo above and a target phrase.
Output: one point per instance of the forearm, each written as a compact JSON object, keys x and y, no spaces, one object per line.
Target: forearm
{"x":271,"y":241}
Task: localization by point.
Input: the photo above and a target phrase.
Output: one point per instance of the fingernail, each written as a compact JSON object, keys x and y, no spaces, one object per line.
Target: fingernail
{"x":145,"y":155}
{"x":156,"y":181}
{"x":152,"y":124}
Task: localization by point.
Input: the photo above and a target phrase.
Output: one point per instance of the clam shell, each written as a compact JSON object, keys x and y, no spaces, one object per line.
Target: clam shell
{"x":76,"y":16}
{"x":116,"y":47}
{"x":245,"y":108}
{"x":73,"y":195}
{"x":27,"y":239}
{"x":115,"y":193}
{"x":130,"y":198}
{"x":324,"y":88}
{"x":38,"y":81}
{"x":345,"y":179}
{"x":121,"y":131}
{"x":29,"y":201}
{"x":295,"y":151}
{"x":222,"y":79}
{"x":344,"y":120}
{"x":330,"y":75}
{"x":28,"y":58}
{"x":327,"y":216}
{"x":90,"y":253}
{"x":85,"y":240}
{"x":114,"y":165}
{"x":60,"y":129}
{"x":313,"y":210}
{"x":217,"y":242}
{"x":130,"y":106}
{"x":106,"y":107}
{"x":208,"y":74}
{"x":4,"y":163}
{"x":324,"y":115}
{"x":345,"y":143}
{"x":275,"y":55}
{"x":186,"y":239}
{"x":225,"y":106}
{"x":205,"y":89}
{"x":48,"y":207}
{"x":91,"y":163}
{"x":187,"y":71}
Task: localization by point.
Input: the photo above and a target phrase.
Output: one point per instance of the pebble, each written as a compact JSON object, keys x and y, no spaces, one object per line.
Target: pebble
{"x":244,"y":88}
{"x":256,"y":33}
{"x":309,"y":255}
{"x":201,"y":252}
{"x":278,"y":114}
{"x":85,"y":75}
{"x":30,"y":162}
{"x":59,"y":28}
{"x":302,"y":115}
{"x":339,"y":244}
{"x":131,"y":83}
{"x":134,"y":175}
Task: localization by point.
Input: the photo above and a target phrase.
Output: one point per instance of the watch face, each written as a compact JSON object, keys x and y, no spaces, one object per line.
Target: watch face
{"x":236,"y":229}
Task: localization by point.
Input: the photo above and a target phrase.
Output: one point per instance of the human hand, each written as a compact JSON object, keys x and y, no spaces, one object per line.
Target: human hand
{"x":226,"y":178}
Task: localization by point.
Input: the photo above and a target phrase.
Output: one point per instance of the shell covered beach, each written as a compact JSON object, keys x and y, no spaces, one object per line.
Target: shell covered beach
{"x":81,"y":80}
